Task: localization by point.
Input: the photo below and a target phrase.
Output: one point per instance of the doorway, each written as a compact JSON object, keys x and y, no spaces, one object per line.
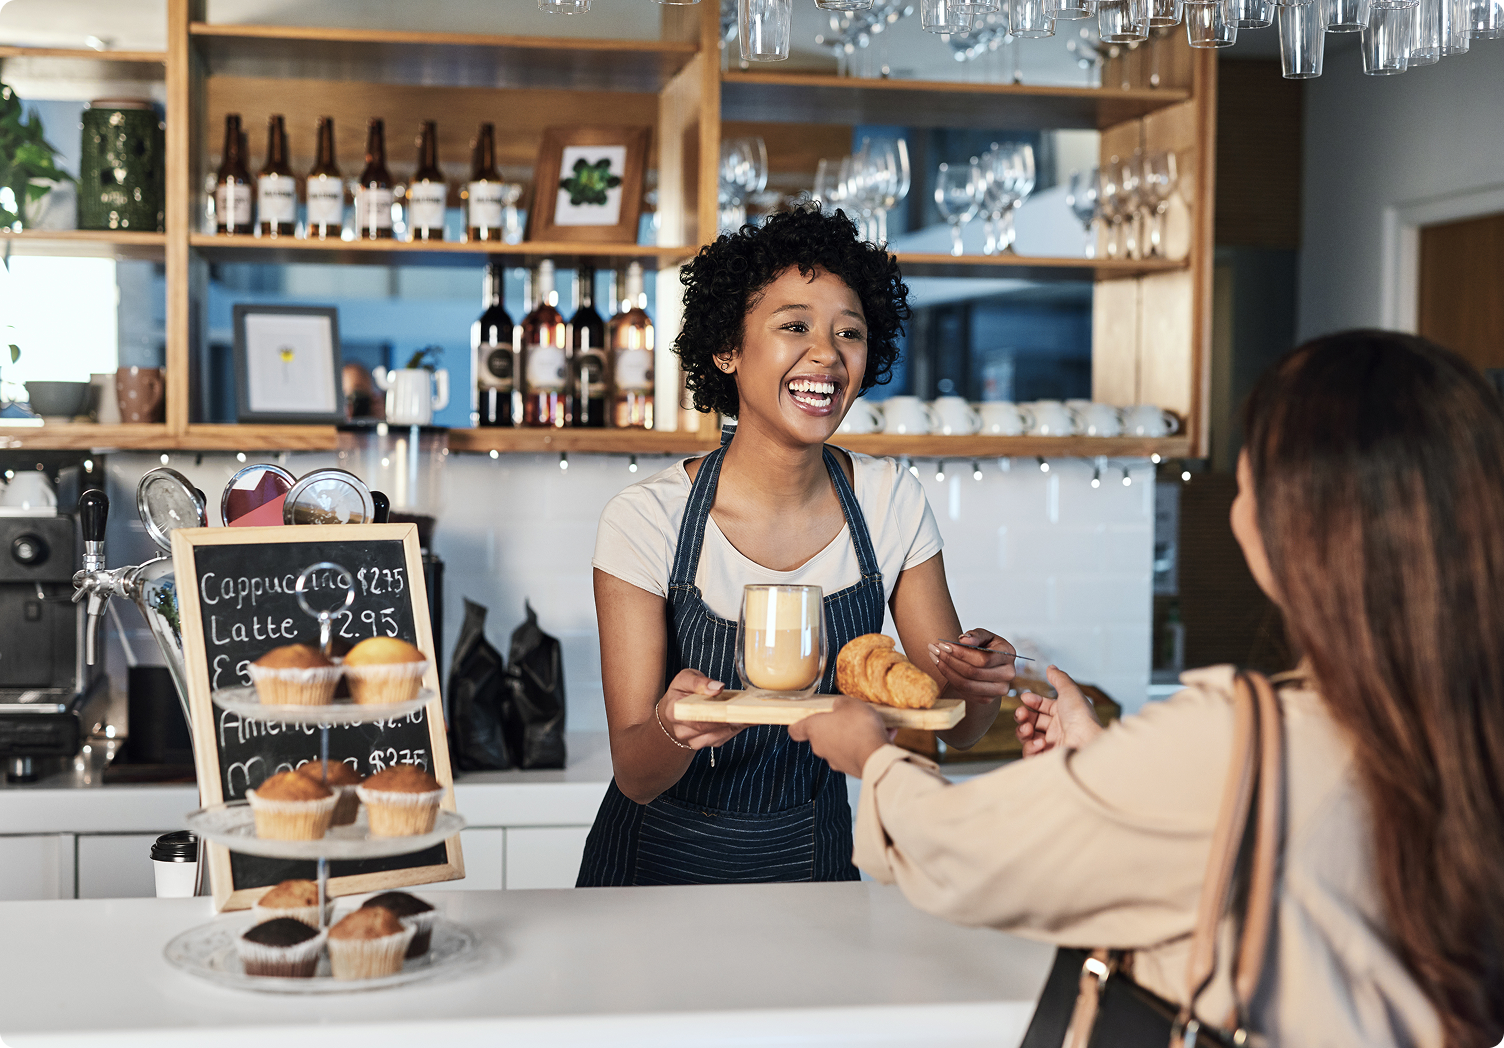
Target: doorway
{"x":1460,"y":288}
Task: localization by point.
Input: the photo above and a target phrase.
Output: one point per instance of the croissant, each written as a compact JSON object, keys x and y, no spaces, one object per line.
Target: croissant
{"x":868,"y":668}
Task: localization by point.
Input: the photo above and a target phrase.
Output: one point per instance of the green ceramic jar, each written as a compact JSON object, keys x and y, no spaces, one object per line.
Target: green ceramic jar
{"x":123,"y":171}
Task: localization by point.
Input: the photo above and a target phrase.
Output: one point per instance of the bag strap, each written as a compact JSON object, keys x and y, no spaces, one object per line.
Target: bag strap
{"x":1255,"y":778}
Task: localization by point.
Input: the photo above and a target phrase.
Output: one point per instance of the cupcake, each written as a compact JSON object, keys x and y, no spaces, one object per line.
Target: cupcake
{"x":384,"y":669}
{"x":283,"y":947}
{"x":402,"y":801}
{"x":368,"y":944}
{"x":294,"y":675}
{"x":342,"y":779}
{"x":292,"y":807}
{"x":296,"y":899}
{"x":410,"y":910}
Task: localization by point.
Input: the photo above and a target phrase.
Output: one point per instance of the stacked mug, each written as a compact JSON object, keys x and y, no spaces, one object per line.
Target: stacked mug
{"x":954,"y":416}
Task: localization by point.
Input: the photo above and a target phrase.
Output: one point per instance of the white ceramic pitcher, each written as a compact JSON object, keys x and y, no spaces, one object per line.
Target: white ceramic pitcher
{"x":410,"y":398}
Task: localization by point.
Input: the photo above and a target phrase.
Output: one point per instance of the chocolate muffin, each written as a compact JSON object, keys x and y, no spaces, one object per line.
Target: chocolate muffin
{"x":409,"y":909}
{"x":283,"y":947}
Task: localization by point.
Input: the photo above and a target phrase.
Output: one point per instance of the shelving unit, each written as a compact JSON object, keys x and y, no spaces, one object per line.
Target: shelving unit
{"x":1151,"y":326}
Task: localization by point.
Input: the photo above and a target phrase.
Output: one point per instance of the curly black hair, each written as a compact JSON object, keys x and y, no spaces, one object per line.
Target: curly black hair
{"x":727,"y":278}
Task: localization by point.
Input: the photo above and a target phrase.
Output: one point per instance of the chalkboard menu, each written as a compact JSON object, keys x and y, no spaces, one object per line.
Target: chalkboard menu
{"x":242,"y":603}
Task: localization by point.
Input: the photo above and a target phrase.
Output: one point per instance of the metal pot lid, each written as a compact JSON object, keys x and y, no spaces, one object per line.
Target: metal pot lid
{"x":166,"y":501}
{"x":252,"y":488}
{"x":329,"y":496}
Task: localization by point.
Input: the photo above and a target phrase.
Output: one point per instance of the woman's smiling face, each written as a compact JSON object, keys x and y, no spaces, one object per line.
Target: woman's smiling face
{"x":803,"y":355}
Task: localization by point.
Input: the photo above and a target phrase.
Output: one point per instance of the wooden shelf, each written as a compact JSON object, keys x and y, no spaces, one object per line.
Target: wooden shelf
{"x":618,"y":441}
{"x":935,"y":447}
{"x":86,"y":436}
{"x":1025,"y":267}
{"x":440,"y":59}
{"x":254,"y":437}
{"x":452,"y":253}
{"x":83,"y":54}
{"x":800,"y":98}
{"x":109,"y":243}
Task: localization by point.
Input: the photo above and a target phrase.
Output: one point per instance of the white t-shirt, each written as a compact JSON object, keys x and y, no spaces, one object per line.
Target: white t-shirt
{"x":639,"y":533}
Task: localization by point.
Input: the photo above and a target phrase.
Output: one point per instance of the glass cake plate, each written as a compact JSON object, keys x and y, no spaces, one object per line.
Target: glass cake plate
{"x":243,"y":703}
{"x":234,"y":826}
{"x":208,"y":952}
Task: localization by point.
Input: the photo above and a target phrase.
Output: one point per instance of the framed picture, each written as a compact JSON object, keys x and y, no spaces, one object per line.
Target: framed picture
{"x":587,"y":185}
{"x":287,"y":364}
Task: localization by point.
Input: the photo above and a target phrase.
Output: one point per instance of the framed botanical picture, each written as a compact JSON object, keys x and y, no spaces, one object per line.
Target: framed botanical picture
{"x":587,"y":185}
{"x":287,"y":364}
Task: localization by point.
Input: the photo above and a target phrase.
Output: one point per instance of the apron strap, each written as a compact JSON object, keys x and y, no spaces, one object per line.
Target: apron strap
{"x":696,"y":516}
{"x":856,"y":521}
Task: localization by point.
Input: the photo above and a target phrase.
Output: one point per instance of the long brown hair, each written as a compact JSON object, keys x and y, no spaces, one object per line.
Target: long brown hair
{"x":1378,"y":471}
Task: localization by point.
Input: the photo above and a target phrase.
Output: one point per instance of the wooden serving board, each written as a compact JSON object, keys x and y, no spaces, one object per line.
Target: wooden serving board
{"x":745,"y":707}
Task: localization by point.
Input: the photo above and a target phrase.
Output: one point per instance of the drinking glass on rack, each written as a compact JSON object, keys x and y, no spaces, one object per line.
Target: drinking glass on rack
{"x":763,"y":29}
{"x":1158,"y":180}
{"x":1302,"y":34}
{"x":896,"y":187}
{"x":1130,"y":190}
{"x":1021,"y":167}
{"x":945,"y":16}
{"x":1253,"y":14}
{"x":1485,"y":19}
{"x":1454,"y":34}
{"x":1165,"y":13}
{"x":743,"y":173}
{"x":998,"y":189}
{"x":1110,"y":203}
{"x":1082,"y":198}
{"x":1075,"y":9}
{"x":830,"y":187}
{"x":1386,"y":39}
{"x":824,"y":5}
{"x":1122,"y":21}
{"x":1211,"y":25}
{"x":1343,"y":16}
{"x":1031,"y":19}
{"x":1425,"y":46}
{"x":781,"y":646}
{"x":958,"y":196}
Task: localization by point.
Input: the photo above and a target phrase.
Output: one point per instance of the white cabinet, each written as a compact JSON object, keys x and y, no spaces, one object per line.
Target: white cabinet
{"x":116,"y":866}
{"x":544,"y":856}
{"x":36,"y":866}
{"x":485,"y":859}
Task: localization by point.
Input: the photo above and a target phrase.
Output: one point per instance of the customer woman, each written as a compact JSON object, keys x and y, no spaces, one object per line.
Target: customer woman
{"x":784,"y":327}
{"x":1370,"y":508}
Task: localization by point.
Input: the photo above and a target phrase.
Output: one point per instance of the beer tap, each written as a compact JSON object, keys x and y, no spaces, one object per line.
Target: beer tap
{"x":95,"y":582}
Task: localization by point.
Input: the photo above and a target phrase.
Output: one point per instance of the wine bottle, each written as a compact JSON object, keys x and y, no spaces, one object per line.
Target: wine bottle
{"x":545,"y":357}
{"x":483,"y":192}
{"x":276,"y":192}
{"x":631,"y":337}
{"x":233,"y":193}
{"x":427,"y":194}
{"x":494,"y":362}
{"x":326,"y":192}
{"x":373,"y":197}
{"x":587,"y":355}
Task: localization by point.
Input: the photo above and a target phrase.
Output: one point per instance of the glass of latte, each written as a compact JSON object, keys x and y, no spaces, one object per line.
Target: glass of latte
{"x":780,"y":639}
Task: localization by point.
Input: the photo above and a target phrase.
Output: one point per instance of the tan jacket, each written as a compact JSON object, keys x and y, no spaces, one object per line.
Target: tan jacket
{"x":1107,"y":846}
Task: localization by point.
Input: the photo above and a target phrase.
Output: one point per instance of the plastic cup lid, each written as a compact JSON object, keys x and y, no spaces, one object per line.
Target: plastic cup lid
{"x":177,"y":846}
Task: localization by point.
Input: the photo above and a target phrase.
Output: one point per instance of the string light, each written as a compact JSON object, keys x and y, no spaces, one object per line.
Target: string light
{"x":240,"y":456}
{"x":976,"y":470}
{"x":563,"y":460}
{"x":88,"y":465}
{"x":164,"y":459}
{"x":1185,"y":475}
{"x":1154,"y":458}
{"x":1096,"y":477}
{"x":632,"y":465}
{"x":940,"y":470}
{"x":495,"y":454}
{"x":1127,"y":479}
{"x":1044,"y":467}
{"x":1005,"y":464}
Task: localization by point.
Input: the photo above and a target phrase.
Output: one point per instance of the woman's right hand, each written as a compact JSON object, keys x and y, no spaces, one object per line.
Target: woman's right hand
{"x":694,"y":734}
{"x":1068,"y":720}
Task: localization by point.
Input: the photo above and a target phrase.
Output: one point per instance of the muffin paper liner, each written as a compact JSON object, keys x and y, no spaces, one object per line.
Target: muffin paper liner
{"x":309,"y":915}
{"x":369,"y":958}
{"x":422,"y":924}
{"x":385,"y":683}
{"x":291,"y":820}
{"x":346,"y":805}
{"x":298,"y":961}
{"x":311,"y":686}
{"x":393,"y":814}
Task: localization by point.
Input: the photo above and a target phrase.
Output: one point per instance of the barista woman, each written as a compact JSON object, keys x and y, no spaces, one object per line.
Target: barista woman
{"x":784,"y":327}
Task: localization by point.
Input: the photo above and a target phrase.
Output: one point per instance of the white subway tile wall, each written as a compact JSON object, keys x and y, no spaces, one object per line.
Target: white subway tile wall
{"x":1044,"y":559}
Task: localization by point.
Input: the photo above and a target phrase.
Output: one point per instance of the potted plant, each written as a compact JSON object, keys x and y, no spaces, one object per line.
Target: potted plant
{"x":28,"y":169}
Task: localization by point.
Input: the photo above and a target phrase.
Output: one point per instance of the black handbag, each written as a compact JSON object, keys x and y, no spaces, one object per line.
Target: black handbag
{"x":1090,"y":999}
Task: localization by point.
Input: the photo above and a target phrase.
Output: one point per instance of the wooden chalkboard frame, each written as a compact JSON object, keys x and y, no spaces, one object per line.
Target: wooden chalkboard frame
{"x":185,"y":545}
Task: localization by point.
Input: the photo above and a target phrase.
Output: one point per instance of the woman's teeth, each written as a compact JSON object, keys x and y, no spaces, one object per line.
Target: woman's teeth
{"x":812,"y":393}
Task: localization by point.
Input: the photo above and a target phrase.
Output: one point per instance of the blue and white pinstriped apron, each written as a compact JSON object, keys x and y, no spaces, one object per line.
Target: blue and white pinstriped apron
{"x":769,"y":810}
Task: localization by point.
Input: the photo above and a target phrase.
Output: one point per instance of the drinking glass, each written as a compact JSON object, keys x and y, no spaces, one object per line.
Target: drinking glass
{"x":781,"y":646}
{"x":1454,"y":34}
{"x":1485,"y":19}
{"x":1253,"y":14}
{"x":1343,"y":16}
{"x":1165,"y":13}
{"x":1020,"y":166}
{"x":1302,"y":33}
{"x":1386,"y":40}
{"x":1211,"y":25}
{"x":1082,"y":198}
{"x":1158,"y":180}
{"x":1031,"y":19}
{"x":890,"y":163}
{"x":564,"y":7}
{"x":958,"y":196}
{"x":1110,"y":195}
{"x":1117,"y":24}
{"x":997,"y":197}
{"x":829,"y":189}
{"x":944,"y":16}
{"x":825,"y":5}
{"x":1075,"y":9}
{"x":1131,"y":202}
{"x":763,"y":29}
{"x":1430,"y":32}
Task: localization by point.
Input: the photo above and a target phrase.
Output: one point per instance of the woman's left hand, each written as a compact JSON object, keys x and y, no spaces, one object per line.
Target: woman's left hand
{"x":846,"y":736}
{"x":976,"y":676}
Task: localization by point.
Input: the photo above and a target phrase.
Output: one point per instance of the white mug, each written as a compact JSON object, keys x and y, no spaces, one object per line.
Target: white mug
{"x":1146,"y":420}
{"x":1097,"y":420}
{"x":908,"y":415}
{"x":106,"y":399}
{"x":1002,"y":418}
{"x":29,"y":489}
{"x":410,"y":400}
{"x":1052,"y":419}
{"x":955,"y":417}
{"x":864,"y":417}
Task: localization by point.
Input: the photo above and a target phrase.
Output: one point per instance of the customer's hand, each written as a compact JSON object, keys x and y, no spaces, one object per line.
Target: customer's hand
{"x":1068,"y":720}
{"x":694,"y":734}
{"x":975,"y":675}
{"x":846,"y":736}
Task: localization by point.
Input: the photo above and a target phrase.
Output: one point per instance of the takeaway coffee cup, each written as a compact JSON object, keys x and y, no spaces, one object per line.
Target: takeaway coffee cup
{"x":864,"y":417}
{"x":955,"y":417}
{"x":174,"y":858}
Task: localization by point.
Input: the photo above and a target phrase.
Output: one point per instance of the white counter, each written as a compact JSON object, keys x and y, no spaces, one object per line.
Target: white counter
{"x":800,"y":964}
